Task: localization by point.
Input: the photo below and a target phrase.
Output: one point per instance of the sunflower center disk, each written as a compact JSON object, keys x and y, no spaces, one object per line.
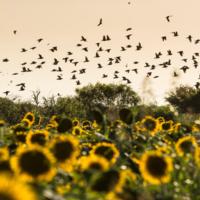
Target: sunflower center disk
{"x":34,"y":163}
{"x":63,"y":150}
{"x":156,"y":166}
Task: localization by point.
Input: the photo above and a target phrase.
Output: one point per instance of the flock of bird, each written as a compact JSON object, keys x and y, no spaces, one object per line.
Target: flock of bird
{"x":101,"y":52}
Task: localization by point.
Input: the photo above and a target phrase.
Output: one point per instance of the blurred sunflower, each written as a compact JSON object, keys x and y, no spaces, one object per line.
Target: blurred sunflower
{"x":93,"y":163}
{"x":64,"y":125}
{"x":77,"y":130}
{"x":197,"y":156}
{"x":195,"y":128}
{"x":167,"y":126}
{"x":155,"y":168}
{"x":106,"y":150}
{"x":75,"y":122}
{"x":33,"y":163}
{"x":4,"y":153}
{"x":39,"y":137}
{"x":161,"y":119}
{"x":20,"y":137}
{"x":2,"y":123}
{"x":128,"y":175}
{"x":109,"y":181}
{"x":150,"y":124}
{"x":186,"y":145}
{"x":30,"y":116}
{"x":13,"y":189}
{"x":177,"y":127}
{"x":19,"y":128}
{"x":4,"y":160}
{"x":86,"y":125}
{"x":26,"y":123}
{"x":65,"y":149}
{"x":51,"y":126}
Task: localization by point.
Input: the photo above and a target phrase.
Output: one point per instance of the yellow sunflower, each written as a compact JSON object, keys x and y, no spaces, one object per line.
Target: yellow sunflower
{"x":150,"y":124}
{"x":20,"y":137}
{"x":167,"y":126}
{"x":2,"y":123}
{"x":37,"y":137}
{"x":186,"y":144}
{"x":34,"y":163}
{"x":4,"y":153}
{"x":197,"y":156}
{"x":161,"y":119}
{"x":155,"y":168}
{"x":86,"y":125}
{"x":30,"y":117}
{"x":13,"y":189}
{"x":26,"y":123}
{"x":108,"y":181}
{"x":4,"y":160}
{"x":65,"y":149}
{"x":106,"y":150}
{"x":75,"y":122}
{"x":93,"y":163}
{"x":77,"y":130}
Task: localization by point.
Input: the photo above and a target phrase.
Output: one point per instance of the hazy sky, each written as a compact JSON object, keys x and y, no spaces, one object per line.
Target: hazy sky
{"x":62,"y":22}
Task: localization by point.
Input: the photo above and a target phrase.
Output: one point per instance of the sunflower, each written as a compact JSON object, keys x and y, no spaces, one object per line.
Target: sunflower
{"x":13,"y":189}
{"x":150,"y":124}
{"x":65,"y":149}
{"x":93,"y":163}
{"x":2,"y":123}
{"x":167,"y":126}
{"x":160,"y":119}
{"x":108,"y":181}
{"x":19,"y":128}
{"x":128,"y":175}
{"x":4,"y":153}
{"x":30,"y":116}
{"x":39,"y":137}
{"x":20,"y":137}
{"x":55,"y":119}
{"x":197,"y":156}
{"x":64,"y":125}
{"x":75,"y":122}
{"x":195,"y":128}
{"x":51,"y":126}
{"x":86,"y":125}
{"x":4,"y":160}
{"x":33,"y":163}
{"x":155,"y":168}
{"x":77,"y":130}
{"x":177,"y":127}
{"x":26,"y":123}
{"x":5,"y":166}
{"x":106,"y":150}
{"x":186,"y":145}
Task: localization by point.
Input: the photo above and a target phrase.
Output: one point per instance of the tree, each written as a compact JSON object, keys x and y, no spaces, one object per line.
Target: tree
{"x":104,"y":96}
{"x":185,"y":99}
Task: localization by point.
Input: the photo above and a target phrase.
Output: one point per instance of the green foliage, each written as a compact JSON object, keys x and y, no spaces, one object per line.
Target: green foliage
{"x":141,"y":111}
{"x":185,"y":99}
{"x":107,"y":95}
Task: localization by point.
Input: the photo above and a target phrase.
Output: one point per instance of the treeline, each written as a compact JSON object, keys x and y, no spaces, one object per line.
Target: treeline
{"x":107,"y":99}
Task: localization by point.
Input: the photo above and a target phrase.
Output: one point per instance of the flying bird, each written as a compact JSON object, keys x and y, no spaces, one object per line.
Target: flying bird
{"x":168,"y":18}
{"x":100,"y":22}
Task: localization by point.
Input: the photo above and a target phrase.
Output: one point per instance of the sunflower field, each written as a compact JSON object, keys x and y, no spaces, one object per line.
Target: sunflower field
{"x":125,"y":159}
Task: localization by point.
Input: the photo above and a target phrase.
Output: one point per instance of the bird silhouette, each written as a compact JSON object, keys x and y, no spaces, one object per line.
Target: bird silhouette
{"x":168,"y":18}
{"x":6,"y":92}
{"x":83,"y":39}
{"x":100,"y":22}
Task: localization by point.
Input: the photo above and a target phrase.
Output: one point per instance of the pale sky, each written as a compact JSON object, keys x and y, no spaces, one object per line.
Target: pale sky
{"x":61,"y":23}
